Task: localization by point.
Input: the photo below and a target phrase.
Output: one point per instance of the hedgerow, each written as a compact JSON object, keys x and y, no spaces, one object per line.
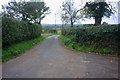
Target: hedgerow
{"x":104,"y":36}
{"x":48,"y":29}
{"x":15,"y":31}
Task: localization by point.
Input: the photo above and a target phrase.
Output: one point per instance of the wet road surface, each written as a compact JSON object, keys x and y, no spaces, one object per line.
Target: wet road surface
{"x":49,"y":59}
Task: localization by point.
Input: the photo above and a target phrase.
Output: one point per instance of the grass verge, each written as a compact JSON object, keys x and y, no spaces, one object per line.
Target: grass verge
{"x":59,"y":32}
{"x":21,"y":47}
{"x":78,"y":47}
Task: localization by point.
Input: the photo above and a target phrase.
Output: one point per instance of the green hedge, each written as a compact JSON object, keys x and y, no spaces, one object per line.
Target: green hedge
{"x":15,"y":31}
{"x":98,"y":36}
{"x":53,"y":31}
{"x":48,"y":29}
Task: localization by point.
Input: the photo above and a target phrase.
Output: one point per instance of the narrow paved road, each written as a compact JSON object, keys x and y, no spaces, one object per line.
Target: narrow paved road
{"x":49,"y":59}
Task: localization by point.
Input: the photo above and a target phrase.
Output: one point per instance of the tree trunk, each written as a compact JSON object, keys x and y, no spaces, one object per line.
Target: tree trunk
{"x":40,"y":23}
{"x":98,"y":21}
{"x":71,"y":22}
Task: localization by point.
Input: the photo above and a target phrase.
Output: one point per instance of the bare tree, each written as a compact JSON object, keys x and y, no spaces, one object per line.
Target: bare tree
{"x":70,"y":14}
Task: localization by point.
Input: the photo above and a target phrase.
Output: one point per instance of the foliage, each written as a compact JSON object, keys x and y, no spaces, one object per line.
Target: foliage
{"x":15,"y":31}
{"x":53,"y":31}
{"x":69,"y":43}
{"x":47,"y":29}
{"x":19,"y":48}
{"x":36,"y":11}
{"x":59,"y":31}
{"x":99,"y":37}
{"x":88,"y":25}
{"x":31,"y":11}
{"x":70,"y":14}
{"x":105,"y":23}
{"x":97,"y":10}
{"x":0,"y":31}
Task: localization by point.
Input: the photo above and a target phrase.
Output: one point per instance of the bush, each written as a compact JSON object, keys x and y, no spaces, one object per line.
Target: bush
{"x":67,"y":41}
{"x":53,"y":31}
{"x":47,"y":29}
{"x":15,"y":31}
{"x":97,"y":36}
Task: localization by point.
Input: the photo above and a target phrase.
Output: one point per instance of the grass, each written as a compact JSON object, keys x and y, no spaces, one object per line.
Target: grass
{"x":78,"y":47}
{"x":59,"y":31}
{"x":21,"y":47}
{"x":0,"y":55}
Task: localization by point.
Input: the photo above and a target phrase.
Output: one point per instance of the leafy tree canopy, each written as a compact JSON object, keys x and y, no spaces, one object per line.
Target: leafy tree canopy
{"x":30,"y":11}
{"x":97,"y":10}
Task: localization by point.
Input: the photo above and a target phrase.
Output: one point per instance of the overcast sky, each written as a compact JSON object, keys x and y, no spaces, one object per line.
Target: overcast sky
{"x":55,"y":9}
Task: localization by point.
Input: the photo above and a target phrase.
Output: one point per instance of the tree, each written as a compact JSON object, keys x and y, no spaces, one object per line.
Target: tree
{"x":13,"y":9}
{"x":36,"y":11}
{"x":70,"y":14}
{"x":97,"y":10}
{"x":30,"y":11}
{"x":119,"y":12}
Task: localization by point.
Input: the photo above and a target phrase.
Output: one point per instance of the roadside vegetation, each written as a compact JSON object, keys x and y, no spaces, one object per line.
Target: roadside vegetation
{"x":48,"y":29}
{"x":19,"y":48}
{"x":51,"y":30}
{"x":21,"y":27}
{"x":15,"y":31}
{"x":88,"y":49}
{"x":98,"y":39}
{"x":19,"y":36}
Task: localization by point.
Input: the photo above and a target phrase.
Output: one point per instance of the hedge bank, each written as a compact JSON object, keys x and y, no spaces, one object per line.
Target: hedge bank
{"x":15,"y":31}
{"x":104,"y":36}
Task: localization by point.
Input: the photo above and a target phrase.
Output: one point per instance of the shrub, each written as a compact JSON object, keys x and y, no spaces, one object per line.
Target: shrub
{"x":53,"y":31}
{"x":97,"y":36}
{"x":48,"y":29}
{"x":15,"y":31}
